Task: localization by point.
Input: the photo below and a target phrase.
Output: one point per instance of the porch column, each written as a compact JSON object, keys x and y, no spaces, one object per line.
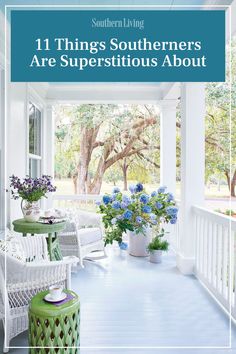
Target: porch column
{"x":168,"y":144}
{"x":49,"y":148}
{"x":192,"y":168}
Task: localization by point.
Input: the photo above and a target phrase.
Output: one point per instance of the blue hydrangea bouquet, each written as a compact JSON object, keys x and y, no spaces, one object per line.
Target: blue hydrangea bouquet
{"x":135,"y":211}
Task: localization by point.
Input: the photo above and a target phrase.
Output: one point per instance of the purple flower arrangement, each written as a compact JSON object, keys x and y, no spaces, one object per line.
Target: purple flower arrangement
{"x":136,"y":211}
{"x":31,"y":189}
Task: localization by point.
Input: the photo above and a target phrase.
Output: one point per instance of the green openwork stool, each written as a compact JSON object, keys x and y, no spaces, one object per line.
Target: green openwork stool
{"x":54,"y":329}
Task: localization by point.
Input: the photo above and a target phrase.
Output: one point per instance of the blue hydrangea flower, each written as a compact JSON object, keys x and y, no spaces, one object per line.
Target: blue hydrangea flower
{"x":138,"y":187}
{"x":170,"y":197}
{"x":154,"y":194}
{"x":173,"y":220}
{"x":123,"y":205}
{"x":159,"y":205}
{"x":132,"y":188}
{"x":144,"y":198}
{"x":123,"y":246}
{"x":128,"y":214}
{"x":147,"y":209}
{"x":153,"y":216}
{"x":120,"y":217}
{"x":98,"y":203}
{"x":139,"y":219}
{"x":116,"y":190}
{"x":116,"y":205}
{"x":106,"y":199}
{"x":126,"y":200}
{"x":113,"y":196}
{"x":154,"y":222}
{"x":113,"y":221}
{"x":171,"y":211}
{"x":162,"y":189}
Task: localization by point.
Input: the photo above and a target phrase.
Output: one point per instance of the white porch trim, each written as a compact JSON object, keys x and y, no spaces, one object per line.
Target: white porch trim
{"x":168,"y":144}
{"x":192,"y":168}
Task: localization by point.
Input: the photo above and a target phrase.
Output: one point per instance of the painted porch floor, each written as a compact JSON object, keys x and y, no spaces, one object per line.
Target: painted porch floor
{"x":129,"y":302}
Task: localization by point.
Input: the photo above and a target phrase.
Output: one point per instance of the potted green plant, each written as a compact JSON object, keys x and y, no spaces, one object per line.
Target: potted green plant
{"x":136,"y":214}
{"x":156,"y":247}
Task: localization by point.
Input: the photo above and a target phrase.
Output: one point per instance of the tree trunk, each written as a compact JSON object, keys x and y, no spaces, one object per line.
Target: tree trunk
{"x":233,"y":183}
{"x":75,"y":183}
{"x":227,"y":178}
{"x":124,"y":170}
{"x":95,"y":186}
{"x":88,"y":136}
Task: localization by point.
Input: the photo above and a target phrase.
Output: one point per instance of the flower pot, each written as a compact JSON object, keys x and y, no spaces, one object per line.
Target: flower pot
{"x":31,"y":211}
{"x":155,"y":256}
{"x":138,"y":243}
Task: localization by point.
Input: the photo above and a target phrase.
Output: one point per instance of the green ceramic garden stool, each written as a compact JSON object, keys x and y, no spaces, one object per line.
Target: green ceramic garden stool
{"x":54,"y":328}
{"x":50,"y":230}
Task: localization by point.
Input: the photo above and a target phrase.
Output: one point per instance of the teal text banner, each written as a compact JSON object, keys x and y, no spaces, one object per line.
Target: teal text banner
{"x":117,"y":46}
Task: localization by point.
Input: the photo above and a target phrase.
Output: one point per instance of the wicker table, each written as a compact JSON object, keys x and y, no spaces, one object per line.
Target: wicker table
{"x":51,"y":230}
{"x":52,"y":326}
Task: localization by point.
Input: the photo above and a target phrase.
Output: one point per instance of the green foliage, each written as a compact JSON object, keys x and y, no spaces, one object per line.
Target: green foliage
{"x":113,"y":175}
{"x":228,"y":212}
{"x":114,"y":124}
{"x":158,"y":244}
{"x":218,"y":123}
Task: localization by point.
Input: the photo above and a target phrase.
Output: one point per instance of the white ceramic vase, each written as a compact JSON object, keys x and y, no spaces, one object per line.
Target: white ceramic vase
{"x":155,"y":256}
{"x":138,"y":243}
{"x":31,"y":211}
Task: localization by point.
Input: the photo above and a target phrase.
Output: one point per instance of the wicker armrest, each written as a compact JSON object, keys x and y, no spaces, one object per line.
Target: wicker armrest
{"x":65,"y":261}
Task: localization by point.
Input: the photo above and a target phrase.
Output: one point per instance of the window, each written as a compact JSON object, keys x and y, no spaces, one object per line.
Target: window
{"x":35,"y":137}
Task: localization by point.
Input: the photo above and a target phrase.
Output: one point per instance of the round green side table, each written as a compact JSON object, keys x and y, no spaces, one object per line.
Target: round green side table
{"x":24,"y":227}
{"x":54,"y":328}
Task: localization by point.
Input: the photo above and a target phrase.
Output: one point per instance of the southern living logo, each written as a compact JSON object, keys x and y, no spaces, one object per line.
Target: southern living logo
{"x":124,"y":23}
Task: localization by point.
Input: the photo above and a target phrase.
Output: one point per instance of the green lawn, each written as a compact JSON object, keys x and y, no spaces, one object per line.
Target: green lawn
{"x":65,"y":186}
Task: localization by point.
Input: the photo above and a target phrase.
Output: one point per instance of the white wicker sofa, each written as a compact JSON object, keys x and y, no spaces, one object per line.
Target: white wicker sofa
{"x":83,"y":235}
{"x":23,"y":273}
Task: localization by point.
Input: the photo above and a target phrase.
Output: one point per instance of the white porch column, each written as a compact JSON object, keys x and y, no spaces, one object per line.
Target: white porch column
{"x":192,"y":168}
{"x":49,"y":147}
{"x":168,"y":145}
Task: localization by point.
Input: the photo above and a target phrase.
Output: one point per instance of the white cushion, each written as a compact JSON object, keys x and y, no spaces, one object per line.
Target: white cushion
{"x":89,"y":235}
{"x":12,"y":246}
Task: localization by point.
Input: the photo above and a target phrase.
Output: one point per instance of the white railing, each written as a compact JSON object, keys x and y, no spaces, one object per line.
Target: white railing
{"x":215,"y":261}
{"x":77,"y":201}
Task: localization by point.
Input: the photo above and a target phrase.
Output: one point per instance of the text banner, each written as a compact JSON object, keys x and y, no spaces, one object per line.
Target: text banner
{"x":117,"y":46}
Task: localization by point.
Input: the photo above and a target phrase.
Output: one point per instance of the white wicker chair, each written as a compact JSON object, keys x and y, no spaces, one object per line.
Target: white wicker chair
{"x":83,"y":236}
{"x":21,"y":280}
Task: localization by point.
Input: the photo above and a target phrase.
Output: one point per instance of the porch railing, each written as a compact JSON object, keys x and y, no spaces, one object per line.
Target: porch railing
{"x":215,"y":258}
{"x":76,"y":201}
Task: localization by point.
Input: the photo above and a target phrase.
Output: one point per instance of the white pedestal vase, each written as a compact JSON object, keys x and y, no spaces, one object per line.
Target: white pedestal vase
{"x":138,"y":243}
{"x":155,"y":256}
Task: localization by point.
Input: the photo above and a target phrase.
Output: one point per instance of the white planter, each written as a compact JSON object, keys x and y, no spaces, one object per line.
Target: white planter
{"x":155,"y":256}
{"x":31,"y":211}
{"x":138,"y":243}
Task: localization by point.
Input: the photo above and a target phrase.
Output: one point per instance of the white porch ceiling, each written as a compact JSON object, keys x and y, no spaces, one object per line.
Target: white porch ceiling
{"x":107,"y":92}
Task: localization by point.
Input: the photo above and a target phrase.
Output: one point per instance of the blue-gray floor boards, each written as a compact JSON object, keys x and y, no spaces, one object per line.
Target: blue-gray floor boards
{"x":128,"y":302}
